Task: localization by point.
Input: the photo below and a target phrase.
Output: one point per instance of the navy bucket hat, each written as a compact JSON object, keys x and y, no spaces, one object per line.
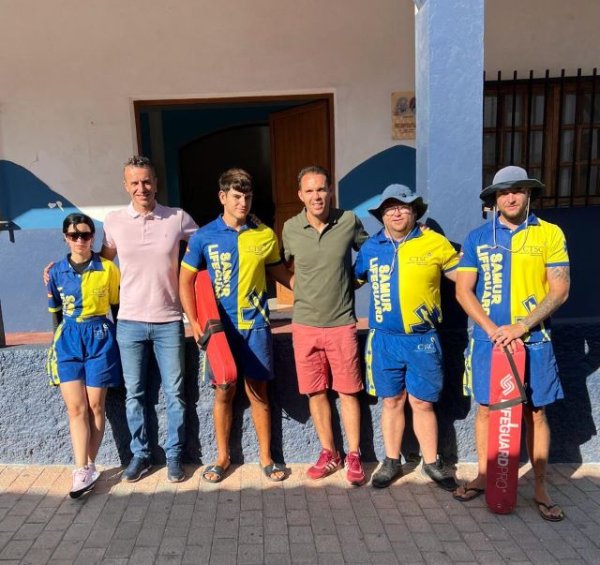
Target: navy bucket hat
{"x":402,"y":194}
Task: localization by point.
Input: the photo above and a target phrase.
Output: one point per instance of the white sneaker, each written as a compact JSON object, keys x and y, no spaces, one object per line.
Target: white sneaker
{"x":95,"y":473}
{"x":83,"y":480}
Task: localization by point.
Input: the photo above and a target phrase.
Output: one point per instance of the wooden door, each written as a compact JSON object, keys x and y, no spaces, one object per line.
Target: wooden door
{"x":300,"y":136}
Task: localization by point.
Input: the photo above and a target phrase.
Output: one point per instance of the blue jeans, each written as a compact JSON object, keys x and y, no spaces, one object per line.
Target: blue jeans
{"x":135,"y":340}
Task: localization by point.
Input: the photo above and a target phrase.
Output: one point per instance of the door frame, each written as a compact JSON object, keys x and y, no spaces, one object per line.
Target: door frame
{"x":328,"y":97}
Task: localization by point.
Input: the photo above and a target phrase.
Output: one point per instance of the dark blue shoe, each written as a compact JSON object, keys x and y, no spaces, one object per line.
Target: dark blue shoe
{"x":175,"y":472}
{"x":136,"y":469}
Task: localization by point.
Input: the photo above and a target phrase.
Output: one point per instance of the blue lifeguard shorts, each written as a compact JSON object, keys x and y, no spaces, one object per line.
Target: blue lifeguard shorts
{"x":252,"y":351}
{"x":85,"y":351}
{"x":542,"y":383}
{"x":398,"y":362}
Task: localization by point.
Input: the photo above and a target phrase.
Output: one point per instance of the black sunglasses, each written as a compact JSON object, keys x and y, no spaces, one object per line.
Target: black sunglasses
{"x":75,"y":235}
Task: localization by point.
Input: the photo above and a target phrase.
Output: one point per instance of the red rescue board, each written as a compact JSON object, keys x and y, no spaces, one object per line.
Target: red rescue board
{"x":504,"y":428}
{"x":214,"y":341}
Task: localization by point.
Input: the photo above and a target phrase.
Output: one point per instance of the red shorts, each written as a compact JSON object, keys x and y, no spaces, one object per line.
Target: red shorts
{"x":316,"y":350}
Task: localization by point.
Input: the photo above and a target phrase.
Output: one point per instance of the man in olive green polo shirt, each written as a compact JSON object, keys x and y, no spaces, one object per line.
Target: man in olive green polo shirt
{"x":319,"y":240}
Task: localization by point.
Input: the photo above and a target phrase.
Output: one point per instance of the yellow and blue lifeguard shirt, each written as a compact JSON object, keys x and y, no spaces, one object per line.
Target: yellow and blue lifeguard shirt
{"x":236,"y":263}
{"x":84,"y":296}
{"x":510,"y":284}
{"x":405,"y":280}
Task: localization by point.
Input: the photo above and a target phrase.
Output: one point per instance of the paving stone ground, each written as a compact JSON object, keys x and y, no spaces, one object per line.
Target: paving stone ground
{"x":247,"y":519}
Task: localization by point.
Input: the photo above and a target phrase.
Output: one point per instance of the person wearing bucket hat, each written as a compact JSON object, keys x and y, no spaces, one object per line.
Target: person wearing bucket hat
{"x":513,"y":274}
{"x":510,"y":177}
{"x":403,"y":194}
{"x":403,"y":265}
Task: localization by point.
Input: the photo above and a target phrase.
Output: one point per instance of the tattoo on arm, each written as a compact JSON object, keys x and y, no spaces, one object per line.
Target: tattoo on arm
{"x":543,"y":310}
{"x":551,"y":302}
{"x":560,"y":274}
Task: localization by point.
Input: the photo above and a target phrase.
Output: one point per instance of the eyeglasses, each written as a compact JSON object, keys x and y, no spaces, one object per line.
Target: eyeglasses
{"x":401,"y":209}
{"x":75,"y":235}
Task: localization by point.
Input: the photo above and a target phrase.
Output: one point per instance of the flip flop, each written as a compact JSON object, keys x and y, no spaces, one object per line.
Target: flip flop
{"x":464,"y":497}
{"x":270,"y":470}
{"x":216,"y":470}
{"x":548,"y":507}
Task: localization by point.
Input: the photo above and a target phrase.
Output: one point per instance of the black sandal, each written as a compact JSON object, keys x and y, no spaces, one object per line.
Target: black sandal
{"x":272,"y":468}
{"x":390,"y":470}
{"x":217,"y":470}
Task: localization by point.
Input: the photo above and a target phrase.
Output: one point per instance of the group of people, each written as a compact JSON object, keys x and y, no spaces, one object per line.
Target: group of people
{"x":512,"y":274}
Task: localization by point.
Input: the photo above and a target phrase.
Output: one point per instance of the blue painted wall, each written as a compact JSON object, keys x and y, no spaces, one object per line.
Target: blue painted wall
{"x":449,"y":88}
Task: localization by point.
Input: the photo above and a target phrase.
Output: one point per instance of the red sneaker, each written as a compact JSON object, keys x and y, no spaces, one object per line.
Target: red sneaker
{"x":354,"y":470}
{"x":328,"y":463}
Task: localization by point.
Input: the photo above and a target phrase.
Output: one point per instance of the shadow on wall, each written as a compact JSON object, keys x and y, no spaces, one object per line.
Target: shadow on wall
{"x":581,"y":227}
{"x":577,"y":349}
{"x":28,"y":202}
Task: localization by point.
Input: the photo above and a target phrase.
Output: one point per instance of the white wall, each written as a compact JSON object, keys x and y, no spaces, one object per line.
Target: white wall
{"x":541,"y":34}
{"x":69,"y":71}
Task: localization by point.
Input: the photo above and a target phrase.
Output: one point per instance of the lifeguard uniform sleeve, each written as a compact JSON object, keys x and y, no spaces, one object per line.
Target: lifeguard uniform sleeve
{"x":54,"y":299}
{"x":273,"y":256}
{"x":558,"y":255}
{"x":449,"y":257}
{"x":193,"y":260}
{"x":468,"y":258}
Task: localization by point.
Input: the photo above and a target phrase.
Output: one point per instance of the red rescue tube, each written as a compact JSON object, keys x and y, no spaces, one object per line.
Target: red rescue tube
{"x":214,"y":341}
{"x":504,"y":428}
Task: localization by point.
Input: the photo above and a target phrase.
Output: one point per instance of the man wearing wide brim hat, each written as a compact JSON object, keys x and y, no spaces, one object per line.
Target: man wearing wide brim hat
{"x":403,"y":357}
{"x":507,"y":178}
{"x":402,"y":194}
{"x":513,"y":274}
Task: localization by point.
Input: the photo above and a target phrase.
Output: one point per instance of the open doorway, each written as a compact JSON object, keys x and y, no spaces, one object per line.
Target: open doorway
{"x":192,"y":142}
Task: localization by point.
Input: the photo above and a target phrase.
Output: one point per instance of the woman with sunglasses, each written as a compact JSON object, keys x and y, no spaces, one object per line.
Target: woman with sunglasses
{"x":84,"y":358}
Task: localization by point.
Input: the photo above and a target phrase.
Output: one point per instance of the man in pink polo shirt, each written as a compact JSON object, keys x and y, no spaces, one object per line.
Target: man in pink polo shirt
{"x":146,"y":237}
